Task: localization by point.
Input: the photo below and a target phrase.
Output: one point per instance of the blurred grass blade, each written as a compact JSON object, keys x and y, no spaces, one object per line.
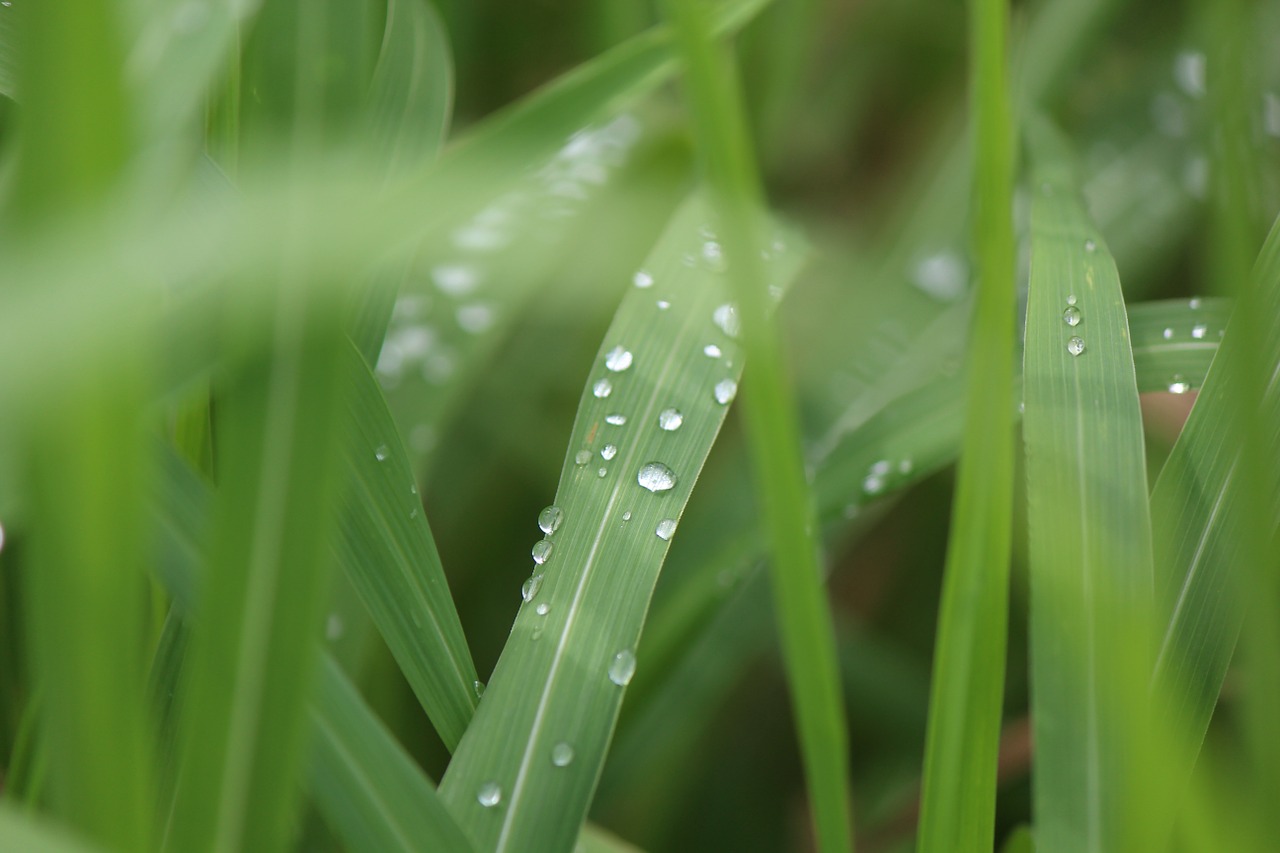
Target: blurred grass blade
{"x":966,"y":702}
{"x":523,"y":776}
{"x":368,"y":789}
{"x":1175,"y":341}
{"x":803,"y":614}
{"x":1089,"y":529}
{"x":1203,"y":581}
{"x":22,"y":832}
{"x":8,"y":51}
{"x":389,"y":556}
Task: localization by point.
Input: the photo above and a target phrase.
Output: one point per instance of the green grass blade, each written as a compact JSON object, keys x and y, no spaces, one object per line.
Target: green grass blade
{"x":20,"y":831}
{"x":8,"y":51}
{"x":1175,"y":341}
{"x":552,"y":684}
{"x":803,"y":614}
{"x":1090,"y":530}
{"x":958,"y":798}
{"x":369,"y":790}
{"x":387,"y":551}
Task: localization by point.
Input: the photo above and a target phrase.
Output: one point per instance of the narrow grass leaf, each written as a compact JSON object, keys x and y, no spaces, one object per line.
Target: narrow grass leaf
{"x":22,"y":831}
{"x":1175,"y":341}
{"x":654,"y":400}
{"x":965,"y":708}
{"x":1089,"y":527}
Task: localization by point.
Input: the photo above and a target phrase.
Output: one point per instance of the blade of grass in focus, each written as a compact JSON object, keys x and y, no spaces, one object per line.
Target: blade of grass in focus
{"x":1089,"y":531}
{"x":803,"y":614}
{"x":966,"y":702}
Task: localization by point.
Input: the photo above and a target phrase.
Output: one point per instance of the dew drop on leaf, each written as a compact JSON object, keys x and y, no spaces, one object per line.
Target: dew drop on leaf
{"x":622,"y":668}
{"x":617,"y":359}
{"x":561,"y":754}
{"x":725,"y":391}
{"x":531,"y":587}
{"x":1071,"y":316}
{"x":1075,"y":346}
{"x":603,"y":388}
{"x":489,"y":795}
{"x":666,"y":529}
{"x":670,"y":419}
{"x":642,"y":279}
{"x":656,"y":477}
{"x":615,"y":419}
{"x":549,"y":519}
{"x":542,"y":551}
{"x":726,"y":319}
{"x":381,"y":453}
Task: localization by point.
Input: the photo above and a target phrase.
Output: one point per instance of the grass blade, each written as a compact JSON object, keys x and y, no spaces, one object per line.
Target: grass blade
{"x":803,"y":614}
{"x":958,"y":798}
{"x":20,"y":831}
{"x":1090,"y":530}
{"x":552,"y":685}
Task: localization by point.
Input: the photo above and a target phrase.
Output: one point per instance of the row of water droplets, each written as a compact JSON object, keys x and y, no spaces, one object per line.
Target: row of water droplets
{"x":1199,"y":332}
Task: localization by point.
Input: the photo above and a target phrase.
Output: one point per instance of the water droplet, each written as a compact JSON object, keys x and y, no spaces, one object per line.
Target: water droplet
{"x":663,"y":305}
{"x":530,"y":587}
{"x":549,"y":519}
{"x":381,"y":453}
{"x":1071,"y":299}
{"x":1075,"y":346}
{"x":475,"y":318}
{"x":1198,"y":331}
{"x":905,"y":466}
{"x":711,"y":350}
{"x":582,"y":457}
{"x":666,"y":529}
{"x":489,"y":795}
{"x":1194,"y":303}
{"x":333,"y":627}
{"x":626,"y":516}
{"x":1179,"y":385}
{"x":880,"y":467}
{"x":1071,"y":316}
{"x":413,"y":513}
{"x":1188,"y":71}
{"x":543,"y":609}
{"x":670,"y":419}
{"x":1167,"y":334}
{"x":617,"y":359}
{"x":622,"y":668}
{"x":615,"y":419}
{"x":656,"y":477}
{"x":942,"y":275}
{"x":478,"y":688}
{"x":602,"y":473}
{"x":713,"y":256}
{"x":873,"y":484}
{"x":542,"y":551}
{"x":1090,"y":246}
{"x":608,"y":452}
{"x":455,"y":279}
{"x":726,"y":319}
{"x":725,"y":391}
{"x":603,"y":388}
{"x":642,"y":279}
{"x":561,"y":754}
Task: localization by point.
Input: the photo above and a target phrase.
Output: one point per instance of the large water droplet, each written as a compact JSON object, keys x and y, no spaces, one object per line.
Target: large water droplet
{"x":530,"y":587}
{"x":608,"y":452}
{"x":725,"y":391}
{"x":622,"y":668}
{"x":478,"y":688}
{"x":726,"y":318}
{"x":670,"y":419}
{"x":1075,"y":346}
{"x":582,"y":457}
{"x":1071,"y":316}
{"x":561,"y":754}
{"x":489,"y":795}
{"x":643,"y":279}
{"x":615,"y":420}
{"x":617,"y":359}
{"x":603,"y":388}
{"x":542,"y":551}
{"x":711,"y":351}
{"x":381,"y":453}
{"x":656,"y":477}
{"x":549,"y":519}
{"x":666,"y":529}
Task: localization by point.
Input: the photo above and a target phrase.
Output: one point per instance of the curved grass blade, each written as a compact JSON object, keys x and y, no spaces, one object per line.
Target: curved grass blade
{"x":370,"y":791}
{"x":654,"y":402}
{"x":966,"y":702}
{"x":21,"y":831}
{"x":1089,"y":528}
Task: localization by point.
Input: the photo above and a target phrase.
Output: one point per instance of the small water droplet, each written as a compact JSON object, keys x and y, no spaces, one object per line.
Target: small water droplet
{"x":582,"y":457}
{"x":542,"y":551}
{"x":478,"y":688}
{"x":455,"y":279}
{"x":617,"y":359}
{"x":549,"y":519}
{"x":1071,"y":299}
{"x":603,"y":388}
{"x":1188,"y":70}
{"x":713,"y":256}
{"x":626,"y":516}
{"x":615,"y":420}
{"x":666,"y":529}
{"x":1179,"y":385}
{"x":905,"y":466}
{"x":602,"y":473}
{"x":670,"y":419}
{"x":1090,"y":246}
{"x":1071,"y":316}
{"x":663,"y":305}
{"x":873,"y":484}
{"x":413,"y":513}
{"x":622,"y":668}
{"x":381,"y":453}
{"x":1194,"y":303}
{"x":656,"y":477}
{"x":642,"y":279}
{"x":880,"y":467}
{"x":475,"y":318}
{"x":1199,"y":330}
{"x":561,"y":754}
{"x":725,"y":391}
{"x":530,"y":587}
{"x":711,"y":351}
{"x":941,"y":275}
{"x":543,"y":609}
{"x":489,"y":795}
{"x":726,"y":319}
{"x":1167,"y":334}
{"x":608,"y":452}
{"x":1075,"y":345}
